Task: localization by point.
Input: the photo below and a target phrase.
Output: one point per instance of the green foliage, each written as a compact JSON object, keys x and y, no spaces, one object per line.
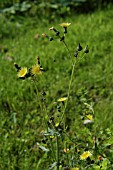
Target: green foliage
{"x":57,"y":7}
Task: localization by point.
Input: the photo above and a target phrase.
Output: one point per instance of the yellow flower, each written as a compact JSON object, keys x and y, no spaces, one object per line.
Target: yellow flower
{"x":22,"y":72}
{"x":52,"y":137}
{"x":90,"y":117}
{"x":57,"y":124}
{"x":85,"y":155}
{"x":35,"y":70}
{"x":62,"y":99}
{"x":65,"y":25}
{"x":66,"y":150}
{"x":74,"y":169}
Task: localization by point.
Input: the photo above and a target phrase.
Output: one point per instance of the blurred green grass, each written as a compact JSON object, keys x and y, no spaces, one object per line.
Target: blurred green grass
{"x":92,"y":83}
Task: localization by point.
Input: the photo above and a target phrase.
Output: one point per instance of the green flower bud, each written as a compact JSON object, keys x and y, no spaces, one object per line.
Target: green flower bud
{"x":57,"y":33}
{"x":76,"y":53}
{"x":50,"y":39}
{"x":62,"y":38}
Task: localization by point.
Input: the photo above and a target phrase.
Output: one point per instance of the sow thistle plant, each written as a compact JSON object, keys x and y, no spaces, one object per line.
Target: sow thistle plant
{"x":64,"y":150}
{"x":24,"y":72}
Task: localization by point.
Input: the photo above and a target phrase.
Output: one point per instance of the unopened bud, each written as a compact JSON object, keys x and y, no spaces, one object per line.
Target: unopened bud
{"x":38,"y":60}
{"x":57,"y":33}
{"x":17,"y":66}
{"x":65,"y":30}
{"x":79,"y":48}
{"x":62,"y":38}
{"x":76,"y":53}
{"x":50,"y":39}
{"x":86,"y":50}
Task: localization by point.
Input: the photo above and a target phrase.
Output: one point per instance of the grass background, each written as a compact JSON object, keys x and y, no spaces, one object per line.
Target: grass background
{"x":20,"y":118}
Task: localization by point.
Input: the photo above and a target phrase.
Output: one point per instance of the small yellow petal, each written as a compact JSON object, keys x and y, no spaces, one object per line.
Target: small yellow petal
{"x":35,"y":70}
{"x":85,"y":155}
{"x":22,"y":72}
{"x":90,"y":117}
{"x":62,"y":99}
{"x":65,"y":25}
{"x":57,"y":124}
{"x":51,"y":137}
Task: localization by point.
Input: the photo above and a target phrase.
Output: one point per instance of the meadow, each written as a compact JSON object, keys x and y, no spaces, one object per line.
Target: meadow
{"x":61,"y":118}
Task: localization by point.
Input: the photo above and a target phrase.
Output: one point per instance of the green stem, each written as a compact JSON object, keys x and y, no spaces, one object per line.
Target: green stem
{"x":69,"y":88}
{"x":52,"y":150}
{"x":34,"y":81}
{"x":67,"y":48}
{"x":57,"y":152}
{"x":45,"y":122}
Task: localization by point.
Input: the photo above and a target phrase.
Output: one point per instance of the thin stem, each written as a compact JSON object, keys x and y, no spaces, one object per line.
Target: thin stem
{"x":52,"y":149}
{"x":34,"y":81}
{"x":67,"y":48}
{"x":45,"y":122}
{"x":69,"y":88}
{"x":69,"y":137}
{"x":57,"y":152}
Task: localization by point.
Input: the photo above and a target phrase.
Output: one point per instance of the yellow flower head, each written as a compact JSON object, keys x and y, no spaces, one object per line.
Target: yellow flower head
{"x":74,"y":168}
{"x":85,"y":155}
{"x":62,"y":99}
{"x":65,"y":25}
{"x":90,"y":117}
{"x":22,"y":72}
{"x":57,"y":124}
{"x":35,"y":70}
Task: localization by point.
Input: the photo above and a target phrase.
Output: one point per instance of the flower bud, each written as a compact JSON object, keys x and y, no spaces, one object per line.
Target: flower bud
{"x":62,"y":38}
{"x":79,"y":48}
{"x":57,"y":33}
{"x":50,"y":39}
{"x":65,"y":30}
{"x":17,"y":66}
{"x":76,"y":53}
{"x":86,"y":50}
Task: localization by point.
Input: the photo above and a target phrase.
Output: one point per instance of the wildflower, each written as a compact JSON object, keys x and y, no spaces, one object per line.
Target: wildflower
{"x":90,"y":117}
{"x":74,"y":168}
{"x":99,"y":158}
{"x":51,"y":136}
{"x":22,"y":72}
{"x":85,"y":155}
{"x":44,"y":35}
{"x":66,"y":150}
{"x":57,"y":124}
{"x":36,"y":70}
{"x":62,"y":99}
{"x":65,"y":25}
